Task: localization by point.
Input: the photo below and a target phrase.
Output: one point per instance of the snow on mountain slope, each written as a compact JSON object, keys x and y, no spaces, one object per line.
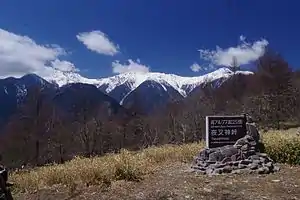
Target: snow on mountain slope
{"x":184,"y":85}
{"x":62,"y":78}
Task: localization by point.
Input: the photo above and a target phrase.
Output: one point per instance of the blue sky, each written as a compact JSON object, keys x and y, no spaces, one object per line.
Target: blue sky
{"x":163,"y":35}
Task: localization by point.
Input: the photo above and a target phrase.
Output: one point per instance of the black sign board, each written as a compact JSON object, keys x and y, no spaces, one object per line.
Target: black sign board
{"x":224,"y":130}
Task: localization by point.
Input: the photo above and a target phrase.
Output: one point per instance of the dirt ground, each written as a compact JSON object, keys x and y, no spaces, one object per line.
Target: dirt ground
{"x":175,"y":182}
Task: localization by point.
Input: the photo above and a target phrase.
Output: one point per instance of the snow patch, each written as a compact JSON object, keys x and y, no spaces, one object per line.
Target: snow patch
{"x":165,"y":89}
{"x":21,"y":91}
{"x":5,"y":90}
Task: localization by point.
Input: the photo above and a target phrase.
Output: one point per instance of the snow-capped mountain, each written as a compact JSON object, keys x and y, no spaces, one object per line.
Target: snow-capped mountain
{"x":69,"y":97}
{"x":14,"y":90}
{"x":63,"y":78}
{"x":151,"y":96}
{"x":144,"y":90}
{"x":184,"y":85}
{"x":120,"y":86}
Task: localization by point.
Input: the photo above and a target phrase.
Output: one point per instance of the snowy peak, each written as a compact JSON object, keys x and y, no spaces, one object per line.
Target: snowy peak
{"x":62,"y":78}
{"x":183,"y":85}
{"x":149,"y":91}
{"x":121,"y":85}
{"x":150,"y":96}
{"x":19,"y":86}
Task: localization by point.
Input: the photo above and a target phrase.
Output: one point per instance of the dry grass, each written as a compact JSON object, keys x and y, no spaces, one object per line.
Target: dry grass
{"x":103,"y":170}
{"x":173,"y":182}
{"x":283,"y":146}
{"x":132,"y":166}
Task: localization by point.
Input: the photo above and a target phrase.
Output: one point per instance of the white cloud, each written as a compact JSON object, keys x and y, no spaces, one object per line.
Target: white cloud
{"x":131,"y":66}
{"x":20,"y":55}
{"x":196,"y":67}
{"x":242,"y":38}
{"x":64,"y":66}
{"x":97,"y":41}
{"x":244,"y":53}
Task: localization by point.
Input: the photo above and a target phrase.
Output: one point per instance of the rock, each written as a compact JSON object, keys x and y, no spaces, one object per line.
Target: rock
{"x":245,"y":162}
{"x":251,"y":152}
{"x":210,"y":150}
{"x":218,"y":171}
{"x":226,"y":160}
{"x":219,"y":165}
{"x":242,"y":166}
{"x":203,"y":155}
{"x":242,"y":141}
{"x":252,"y":131}
{"x":243,"y":156}
{"x":202,"y":164}
{"x":238,"y":146}
{"x":229,"y":163}
{"x":253,"y":148}
{"x":254,"y":157}
{"x":253,"y":166}
{"x":215,"y":156}
{"x":253,"y":144}
{"x":245,"y":147}
{"x":228,"y":151}
{"x":201,"y":172}
{"x":199,"y":168}
{"x":234,"y":167}
{"x":276,"y":168}
{"x":233,"y":158}
{"x":227,"y":169}
{"x":235,"y":163}
{"x":236,"y":171}
{"x":263,"y":155}
{"x":262,"y":160}
{"x":263,"y":170}
{"x":258,"y":162}
{"x":269,"y":165}
{"x":210,"y":162}
{"x":209,"y":171}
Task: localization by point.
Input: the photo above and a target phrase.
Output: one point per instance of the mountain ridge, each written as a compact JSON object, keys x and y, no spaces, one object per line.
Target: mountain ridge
{"x":131,"y":80}
{"x":157,"y":88}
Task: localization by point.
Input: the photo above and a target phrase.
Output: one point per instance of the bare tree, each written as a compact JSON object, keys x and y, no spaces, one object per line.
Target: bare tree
{"x":28,"y":129}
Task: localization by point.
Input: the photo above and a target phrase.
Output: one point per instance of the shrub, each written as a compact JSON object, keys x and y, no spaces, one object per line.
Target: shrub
{"x":282,"y":147}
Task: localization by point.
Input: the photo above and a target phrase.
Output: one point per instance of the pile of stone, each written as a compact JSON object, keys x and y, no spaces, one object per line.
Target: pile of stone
{"x":242,"y":157}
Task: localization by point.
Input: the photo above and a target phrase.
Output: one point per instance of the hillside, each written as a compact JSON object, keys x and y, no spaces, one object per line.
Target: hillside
{"x":172,"y":182}
{"x":17,"y":94}
{"x":161,"y":173}
{"x":126,"y":89}
{"x":79,"y":119}
{"x":146,"y":100}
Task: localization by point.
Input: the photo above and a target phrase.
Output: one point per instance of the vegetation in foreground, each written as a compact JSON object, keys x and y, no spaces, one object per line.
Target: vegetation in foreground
{"x":42,"y":131}
{"x":283,"y":147}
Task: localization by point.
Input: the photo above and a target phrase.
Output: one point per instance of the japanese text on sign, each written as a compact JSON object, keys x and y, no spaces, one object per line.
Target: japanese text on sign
{"x":226,"y":122}
{"x":221,"y":132}
{"x":224,"y":130}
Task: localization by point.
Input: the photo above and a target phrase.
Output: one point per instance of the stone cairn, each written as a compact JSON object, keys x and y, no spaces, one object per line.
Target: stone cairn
{"x":244,"y":156}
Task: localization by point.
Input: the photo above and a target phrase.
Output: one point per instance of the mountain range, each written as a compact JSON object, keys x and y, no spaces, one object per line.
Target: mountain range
{"x":147,"y":91}
{"x":121,"y":86}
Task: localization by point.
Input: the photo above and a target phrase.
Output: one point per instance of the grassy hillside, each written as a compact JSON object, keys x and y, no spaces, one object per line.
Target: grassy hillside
{"x":282,"y":146}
